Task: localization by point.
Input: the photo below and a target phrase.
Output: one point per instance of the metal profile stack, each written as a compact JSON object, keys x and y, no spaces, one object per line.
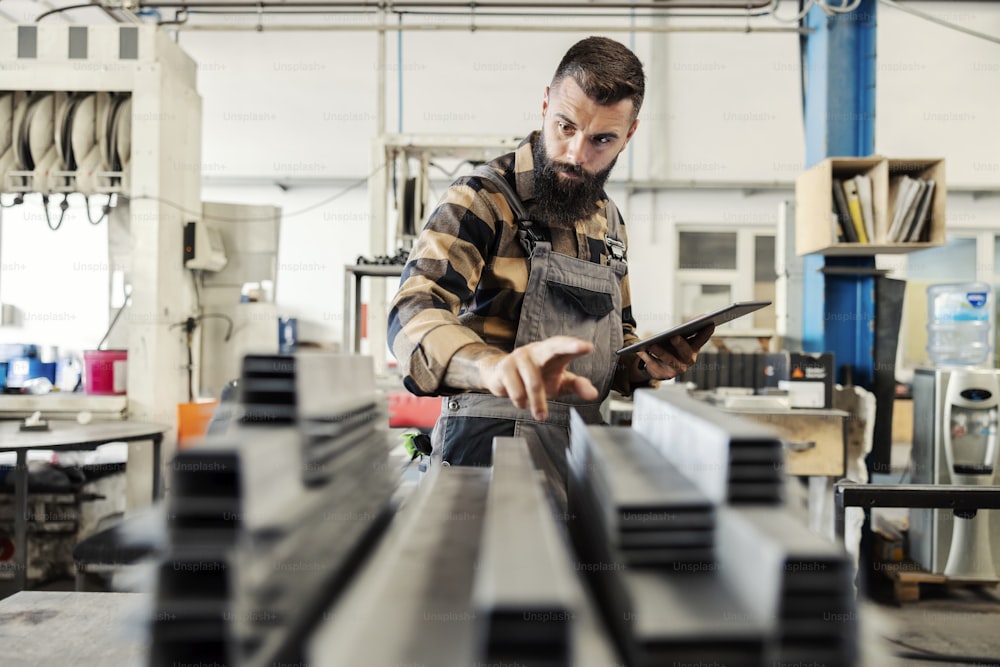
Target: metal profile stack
{"x":268,"y":391}
{"x":193,"y":587}
{"x":769,"y":592}
{"x":472,"y":571}
{"x":267,"y":522}
{"x":794,"y":578}
{"x":652,"y":515}
{"x":646,"y":538}
{"x":730,"y":459}
{"x":525,"y":596}
{"x":412,"y":602}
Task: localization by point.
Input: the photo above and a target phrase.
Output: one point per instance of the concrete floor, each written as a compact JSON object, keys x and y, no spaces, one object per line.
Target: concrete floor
{"x":947,"y":626}
{"x":958,"y":622}
{"x":959,"y":626}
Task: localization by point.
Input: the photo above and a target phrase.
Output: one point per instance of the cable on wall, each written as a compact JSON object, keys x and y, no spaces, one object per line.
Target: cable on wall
{"x":307,"y":209}
{"x":941,"y":22}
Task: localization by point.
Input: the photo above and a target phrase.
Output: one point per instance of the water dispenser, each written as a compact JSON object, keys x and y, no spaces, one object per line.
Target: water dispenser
{"x":955,"y":442}
{"x":970,"y":447}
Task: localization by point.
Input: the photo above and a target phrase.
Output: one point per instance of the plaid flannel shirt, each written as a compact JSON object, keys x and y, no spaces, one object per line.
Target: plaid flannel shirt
{"x":466,"y":276}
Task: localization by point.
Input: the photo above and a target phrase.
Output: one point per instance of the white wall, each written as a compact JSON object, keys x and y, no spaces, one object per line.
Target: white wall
{"x":723,"y":107}
{"x":322,"y":228}
{"x":938,"y":90}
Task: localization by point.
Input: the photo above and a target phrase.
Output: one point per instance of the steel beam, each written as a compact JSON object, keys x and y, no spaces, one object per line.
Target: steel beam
{"x":268,"y":521}
{"x":839,"y":108}
{"x":526,"y":597}
{"x":649,"y":512}
{"x":730,"y":459}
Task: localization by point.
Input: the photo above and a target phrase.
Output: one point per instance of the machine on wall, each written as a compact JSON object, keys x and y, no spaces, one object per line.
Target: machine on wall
{"x":204,"y":249}
{"x":108,"y":117}
{"x":411,"y":161}
{"x":60,"y":143}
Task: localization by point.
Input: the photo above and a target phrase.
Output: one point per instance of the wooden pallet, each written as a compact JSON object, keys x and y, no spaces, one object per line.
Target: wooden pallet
{"x":908,"y":578}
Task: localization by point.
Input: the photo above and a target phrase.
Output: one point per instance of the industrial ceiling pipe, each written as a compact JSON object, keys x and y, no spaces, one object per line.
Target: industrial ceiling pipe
{"x":471,"y":6}
{"x":663,"y":8}
{"x":476,"y":27}
{"x":666,"y":4}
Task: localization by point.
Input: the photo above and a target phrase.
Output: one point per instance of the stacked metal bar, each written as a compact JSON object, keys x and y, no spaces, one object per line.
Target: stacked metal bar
{"x":412,"y":601}
{"x":663,"y":599}
{"x":525,"y":594}
{"x":268,"y":521}
{"x":474,"y":570}
{"x":268,"y":391}
{"x":768,"y":592}
{"x":193,"y":588}
{"x":652,"y":514}
{"x":797,"y":579}
{"x":730,"y":459}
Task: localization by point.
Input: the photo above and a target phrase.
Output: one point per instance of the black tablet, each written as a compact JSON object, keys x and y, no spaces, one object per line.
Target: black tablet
{"x":691,"y":328}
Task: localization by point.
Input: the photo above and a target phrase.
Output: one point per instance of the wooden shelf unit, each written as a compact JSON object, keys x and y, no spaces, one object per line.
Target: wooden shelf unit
{"x":815,"y":219}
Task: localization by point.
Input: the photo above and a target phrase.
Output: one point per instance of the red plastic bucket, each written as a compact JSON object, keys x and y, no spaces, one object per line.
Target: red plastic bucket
{"x":105,"y":371}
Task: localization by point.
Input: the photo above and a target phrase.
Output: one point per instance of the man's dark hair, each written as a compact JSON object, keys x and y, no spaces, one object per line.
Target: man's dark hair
{"x":606,"y":70}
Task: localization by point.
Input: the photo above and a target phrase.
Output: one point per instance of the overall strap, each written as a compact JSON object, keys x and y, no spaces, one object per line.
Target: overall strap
{"x":527,"y":233}
{"x":616,"y":247}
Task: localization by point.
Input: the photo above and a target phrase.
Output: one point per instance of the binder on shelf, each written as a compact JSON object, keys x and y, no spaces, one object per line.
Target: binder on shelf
{"x":905,"y":191}
{"x":864,"y":185}
{"x":906,"y":207}
{"x":854,"y":206}
{"x":843,"y":214}
{"x":910,"y":211}
{"x":923,"y":213}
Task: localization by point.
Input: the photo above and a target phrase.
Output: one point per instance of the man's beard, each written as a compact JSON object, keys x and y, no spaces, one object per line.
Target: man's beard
{"x":558,"y":200}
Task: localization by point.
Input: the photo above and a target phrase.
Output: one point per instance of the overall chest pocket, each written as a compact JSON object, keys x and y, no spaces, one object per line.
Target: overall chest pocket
{"x":572,"y":310}
{"x":573,"y":299}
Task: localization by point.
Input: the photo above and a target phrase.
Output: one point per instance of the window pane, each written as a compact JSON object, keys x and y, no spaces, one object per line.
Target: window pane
{"x":763,"y":259}
{"x":954,"y":261}
{"x":707,"y":250}
{"x":697,"y":298}
{"x":764,"y":284}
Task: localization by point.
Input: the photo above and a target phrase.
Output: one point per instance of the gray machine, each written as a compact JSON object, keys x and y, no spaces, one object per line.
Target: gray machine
{"x":955,"y":442}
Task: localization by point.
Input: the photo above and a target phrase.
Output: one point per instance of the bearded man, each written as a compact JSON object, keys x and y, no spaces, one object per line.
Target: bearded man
{"x":515,"y":297}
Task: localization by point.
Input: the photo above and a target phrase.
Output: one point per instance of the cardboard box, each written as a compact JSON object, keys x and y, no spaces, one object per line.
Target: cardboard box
{"x":808,"y":378}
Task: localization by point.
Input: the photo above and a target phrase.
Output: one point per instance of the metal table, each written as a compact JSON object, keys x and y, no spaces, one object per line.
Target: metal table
{"x":65,"y":435}
{"x":352,"y":318}
{"x":939,"y":496}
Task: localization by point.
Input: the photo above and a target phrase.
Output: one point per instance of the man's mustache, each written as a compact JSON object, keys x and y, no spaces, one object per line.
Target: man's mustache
{"x":568,"y":168}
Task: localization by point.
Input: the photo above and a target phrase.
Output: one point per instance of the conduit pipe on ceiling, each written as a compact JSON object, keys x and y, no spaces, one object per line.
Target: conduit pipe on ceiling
{"x":745,"y":9}
{"x":735,"y":6}
{"x":477,"y":27}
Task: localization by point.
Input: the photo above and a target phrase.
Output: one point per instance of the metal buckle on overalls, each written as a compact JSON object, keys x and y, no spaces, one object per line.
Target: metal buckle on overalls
{"x":528,"y":236}
{"x":616,"y":248}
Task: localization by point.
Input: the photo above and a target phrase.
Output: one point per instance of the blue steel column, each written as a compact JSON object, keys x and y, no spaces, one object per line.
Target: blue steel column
{"x":839,"y":310}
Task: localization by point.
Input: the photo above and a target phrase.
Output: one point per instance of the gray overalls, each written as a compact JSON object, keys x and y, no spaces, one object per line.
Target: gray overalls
{"x":565,"y":296}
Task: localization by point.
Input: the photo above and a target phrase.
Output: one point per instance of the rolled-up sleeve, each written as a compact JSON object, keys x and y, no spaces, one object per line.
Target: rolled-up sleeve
{"x":440,"y":276}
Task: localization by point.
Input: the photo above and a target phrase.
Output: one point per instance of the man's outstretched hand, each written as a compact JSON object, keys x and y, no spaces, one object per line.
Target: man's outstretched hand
{"x":530,"y":375}
{"x":534,"y":373}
